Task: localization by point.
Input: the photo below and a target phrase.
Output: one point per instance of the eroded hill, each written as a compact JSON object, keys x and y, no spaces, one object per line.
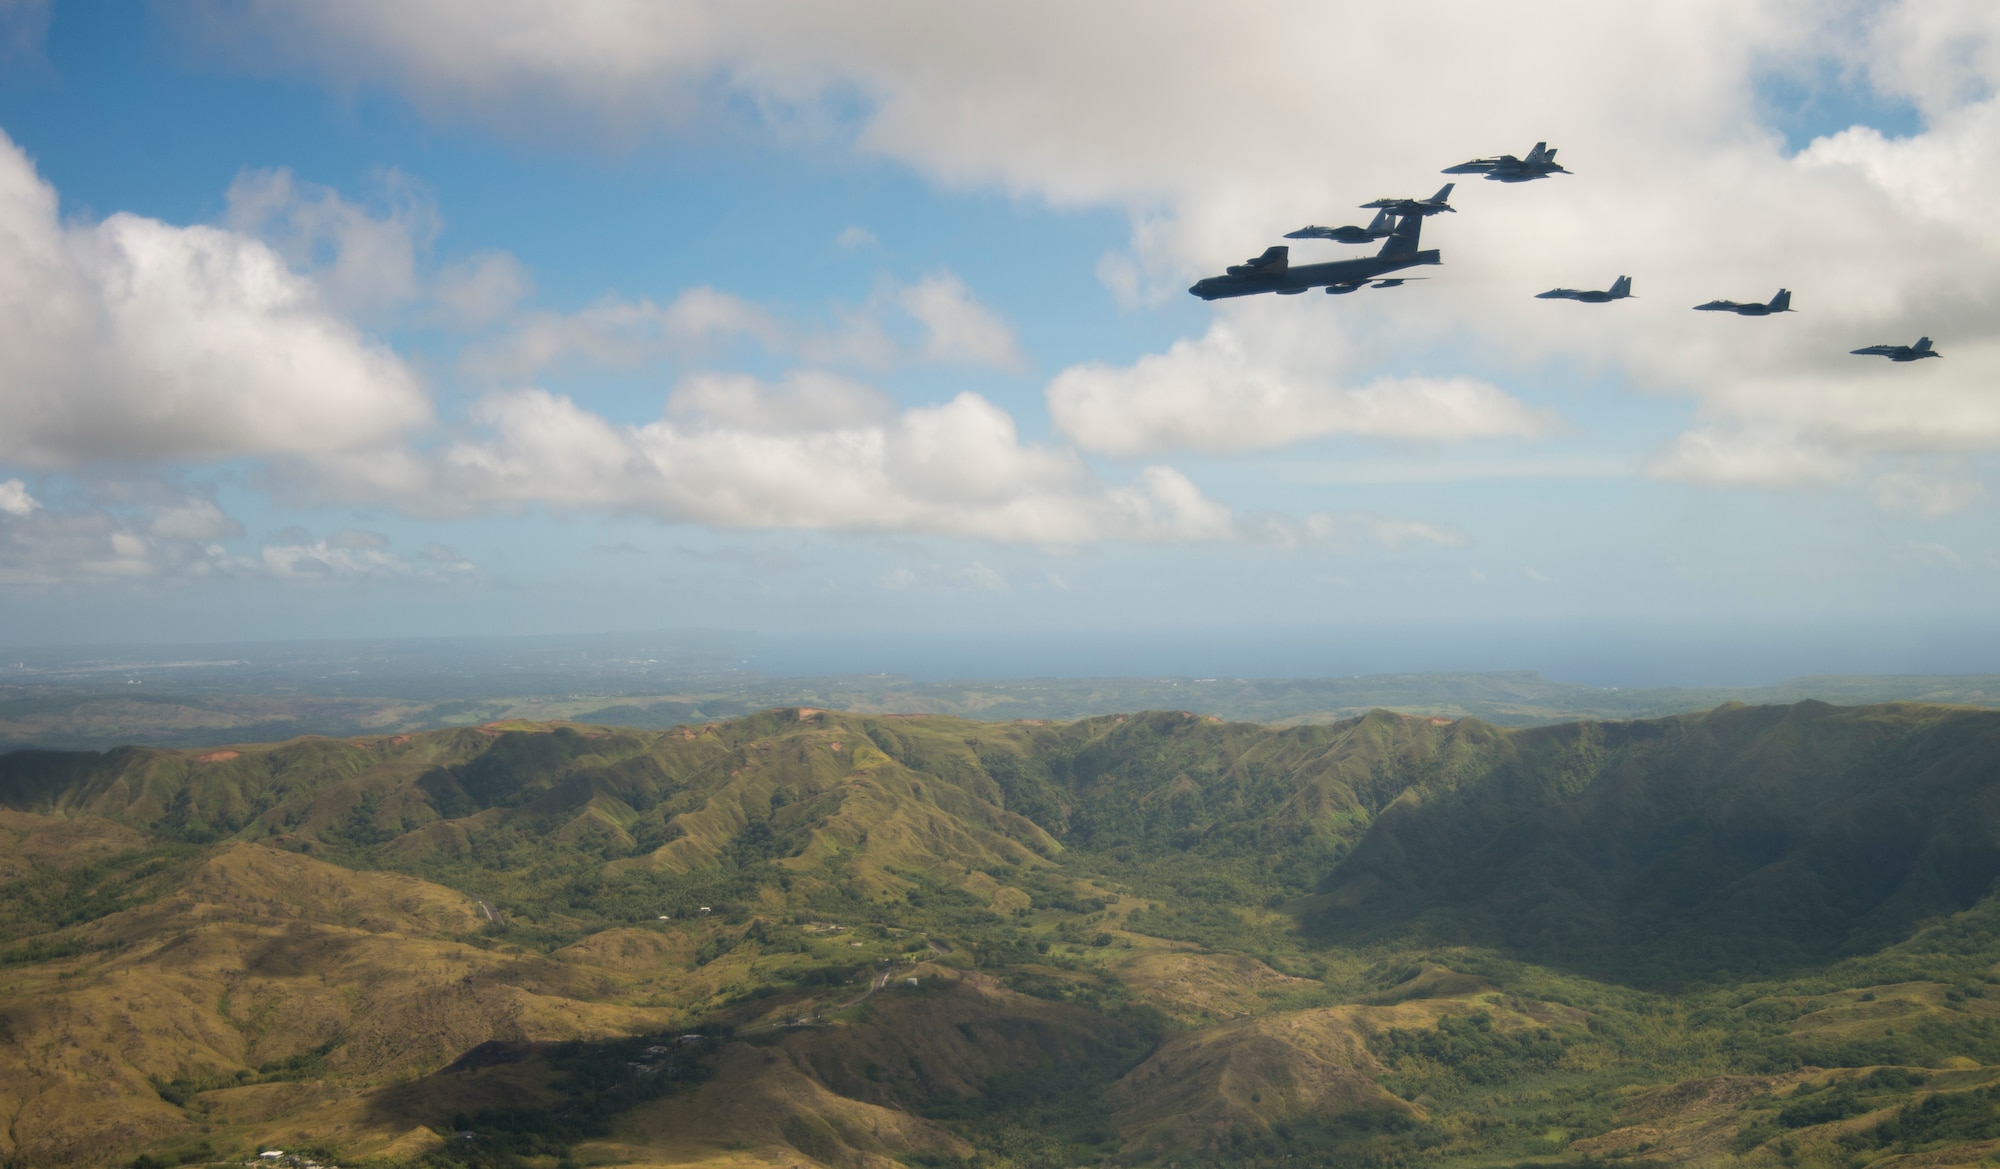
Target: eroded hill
{"x":1760,"y":935}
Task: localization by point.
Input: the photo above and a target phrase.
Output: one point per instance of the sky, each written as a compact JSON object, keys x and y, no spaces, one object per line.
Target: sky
{"x":866,"y":324}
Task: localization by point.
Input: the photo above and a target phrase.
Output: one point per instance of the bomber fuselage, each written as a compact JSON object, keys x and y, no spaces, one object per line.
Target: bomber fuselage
{"x":1306,"y":277}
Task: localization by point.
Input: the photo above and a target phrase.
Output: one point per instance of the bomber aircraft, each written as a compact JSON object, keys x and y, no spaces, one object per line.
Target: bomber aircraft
{"x":1781,"y":303}
{"x":1620,"y":289}
{"x":1273,"y":271}
{"x":1917,"y":352}
{"x":1540,"y":164}
{"x":1381,"y":225}
{"x":1405,"y":208}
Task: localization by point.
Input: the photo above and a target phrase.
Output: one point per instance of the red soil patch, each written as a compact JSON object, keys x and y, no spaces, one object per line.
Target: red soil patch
{"x":218,"y":757}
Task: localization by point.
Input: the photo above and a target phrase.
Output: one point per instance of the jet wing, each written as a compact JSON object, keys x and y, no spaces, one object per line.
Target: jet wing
{"x":1877,"y":351}
{"x":1726,"y":306}
{"x":1346,"y":235}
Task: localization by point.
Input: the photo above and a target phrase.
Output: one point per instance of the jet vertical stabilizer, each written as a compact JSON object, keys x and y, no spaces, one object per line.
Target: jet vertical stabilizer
{"x":1782,"y":303}
{"x":1621,"y":287}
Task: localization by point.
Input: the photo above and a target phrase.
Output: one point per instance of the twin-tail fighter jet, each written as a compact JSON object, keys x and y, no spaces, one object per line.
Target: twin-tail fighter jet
{"x":1380,"y":226}
{"x":1408,"y":208}
{"x":1619,"y":290}
{"x":1781,"y":303}
{"x":1273,"y":271}
{"x":1917,"y":352}
{"x":1540,"y":164}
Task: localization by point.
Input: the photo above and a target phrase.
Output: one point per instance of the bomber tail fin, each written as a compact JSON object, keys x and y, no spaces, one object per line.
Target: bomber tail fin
{"x":1782,"y":303}
{"x":1621,"y":287}
{"x":1404,"y":240}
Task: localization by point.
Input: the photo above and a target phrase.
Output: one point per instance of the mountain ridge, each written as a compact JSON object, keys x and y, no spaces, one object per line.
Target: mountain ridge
{"x":856,"y":940}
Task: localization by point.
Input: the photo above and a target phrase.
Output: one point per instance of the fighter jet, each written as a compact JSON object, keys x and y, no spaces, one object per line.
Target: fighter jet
{"x":1620,"y":289}
{"x":1917,"y":352}
{"x":1540,"y":164}
{"x":1406,"y":208}
{"x":1781,"y":303}
{"x":1381,"y":225}
{"x":1272,"y":271}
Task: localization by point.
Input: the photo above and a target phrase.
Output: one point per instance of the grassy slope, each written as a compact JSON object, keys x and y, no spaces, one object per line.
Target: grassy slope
{"x":290,"y":944}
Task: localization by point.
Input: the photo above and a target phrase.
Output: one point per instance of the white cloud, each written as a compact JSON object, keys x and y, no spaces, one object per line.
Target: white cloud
{"x":358,"y":555}
{"x":193,"y":519}
{"x":14,"y":498}
{"x":1930,"y":495}
{"x":615,"y":332}
{"x":1337,"y":530}
{"x":134,"y":339}
{"x":957,"y":326}
{"x":481,"y":289}
{"x":1214,"y":395}
{"x":855,"y":237}
{"x":813,"y":452}
{"x":360,"y":263}
{"x":806,"y":400}
{"x":165,"y":537}
{"x":1741,"y":457}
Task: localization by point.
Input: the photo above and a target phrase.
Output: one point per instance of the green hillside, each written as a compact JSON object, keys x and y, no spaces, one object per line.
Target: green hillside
{"x":1760,"y":935}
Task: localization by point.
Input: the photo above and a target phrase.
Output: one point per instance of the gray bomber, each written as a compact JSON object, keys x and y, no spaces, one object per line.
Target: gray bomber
{"x":1273,"y":271}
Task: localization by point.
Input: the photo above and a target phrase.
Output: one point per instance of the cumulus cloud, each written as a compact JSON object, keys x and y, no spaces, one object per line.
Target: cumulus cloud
{"x":956,"y":326}
{"x":15,"y":500}
{"x":360,"y":263}
{"x":1341,"y":529}
{"x":167,"y":537}
{"x":358,"y":555}
{"x":175,"y":539}
{"x":1192,"y":119}
{"x":1221,"y":395}
{"x":481,"y":289}
{"x":813,"y":451}
{"x":1915,"y":491}
{"x":616,"y":332}
{"x":134,"y":339}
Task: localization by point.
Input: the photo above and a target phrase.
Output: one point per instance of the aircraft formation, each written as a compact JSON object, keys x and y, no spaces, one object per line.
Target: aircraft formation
{"x":1399,"y":222}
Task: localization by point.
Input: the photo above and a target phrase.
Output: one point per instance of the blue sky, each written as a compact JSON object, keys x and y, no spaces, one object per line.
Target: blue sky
{"x":867,"y":323}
